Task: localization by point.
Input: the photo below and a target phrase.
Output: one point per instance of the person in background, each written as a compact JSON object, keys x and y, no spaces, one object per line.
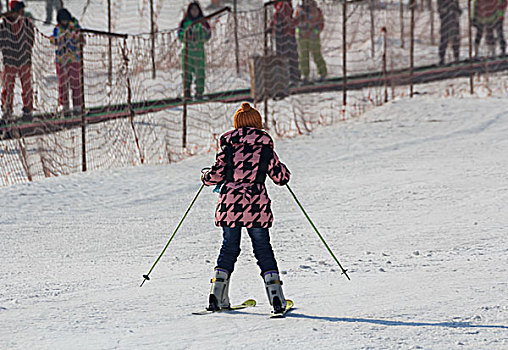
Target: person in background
{"x":50,"y":6}
{"x":68,"y":40}
{"x":449,"y":14}
{"x":197,"y":35}
{"x":498,"y":26}
{"x":246,"y":157}
{"x":488,"y":16}
{"x":16,"y":43}
{"x":283,"y":28}
{"x":309,"y":24}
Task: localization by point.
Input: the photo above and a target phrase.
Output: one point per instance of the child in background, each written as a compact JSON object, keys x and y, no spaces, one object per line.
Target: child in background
{"x":309,"y":24}
{"x":196,"y":38}
{"x":68,"y":40}
{"x":16,"y":43}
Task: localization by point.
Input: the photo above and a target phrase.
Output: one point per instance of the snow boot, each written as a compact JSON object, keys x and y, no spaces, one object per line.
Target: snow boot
{"x":219,"y":292}
{"x":273,"y":286}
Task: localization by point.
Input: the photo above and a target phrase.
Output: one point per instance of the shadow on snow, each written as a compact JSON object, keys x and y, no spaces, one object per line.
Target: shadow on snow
{"x":395,"y":323}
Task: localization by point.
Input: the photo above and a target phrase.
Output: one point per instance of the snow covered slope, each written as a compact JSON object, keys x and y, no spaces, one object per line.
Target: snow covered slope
{"x":412,"y":197}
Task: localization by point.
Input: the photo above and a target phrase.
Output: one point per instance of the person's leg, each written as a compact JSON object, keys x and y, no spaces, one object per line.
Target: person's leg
{"x":200,"y":63}
{"x":187,"y":78}
{"x":75,"y":85}
{"x":63,"y":86}
{"x":478,"y":39}
{"x":286,"y":47}
{"x":500,"y":36}
{"x":49,"y":11}
{"x":25,"y":75}
{"x":491,"y":41}
{"x":318,"y":57}
{"x":456,"y":41}
{"x":8,"y":80}
{"x":303,"y":57}
{"x":219,"y":291}
{"x":230,"y":248}
{"x":269,"y":270}
{"x":263,"y":251}
{"x":294,"y":71}
{"x":443,"y":40}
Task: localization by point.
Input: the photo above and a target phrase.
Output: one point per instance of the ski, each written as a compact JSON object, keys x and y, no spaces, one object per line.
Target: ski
{"x":247,"y":303}
{"x":289,"y":306}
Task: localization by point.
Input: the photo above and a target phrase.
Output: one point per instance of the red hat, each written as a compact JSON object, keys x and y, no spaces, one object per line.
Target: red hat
{"x":16,"y":5}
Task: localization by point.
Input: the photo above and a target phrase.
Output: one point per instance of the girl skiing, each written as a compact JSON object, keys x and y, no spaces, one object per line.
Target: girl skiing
{"x":195,"y":45}
{"x":245,"y":158}
{"x":68,"y":41}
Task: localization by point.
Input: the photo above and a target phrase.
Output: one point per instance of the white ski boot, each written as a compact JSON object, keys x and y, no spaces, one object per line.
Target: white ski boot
{"x":219,"y":292}
{"x":273,"y":286}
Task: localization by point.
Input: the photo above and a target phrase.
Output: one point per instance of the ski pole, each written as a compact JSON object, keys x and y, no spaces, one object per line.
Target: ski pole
{"x":146,"y":277}
{"x":344,"y":272}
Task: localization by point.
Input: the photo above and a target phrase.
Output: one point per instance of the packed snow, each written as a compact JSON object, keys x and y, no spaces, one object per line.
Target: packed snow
{"x":412,"y":197}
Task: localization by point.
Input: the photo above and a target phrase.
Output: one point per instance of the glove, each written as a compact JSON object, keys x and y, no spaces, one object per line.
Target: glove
{"x":204,"y":175}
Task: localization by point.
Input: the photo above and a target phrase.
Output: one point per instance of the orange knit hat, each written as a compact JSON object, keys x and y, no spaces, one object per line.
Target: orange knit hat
{"x":247,"y":116}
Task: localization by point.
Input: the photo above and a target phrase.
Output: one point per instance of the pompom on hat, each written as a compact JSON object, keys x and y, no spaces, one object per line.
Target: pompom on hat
{"x":247,"y":116}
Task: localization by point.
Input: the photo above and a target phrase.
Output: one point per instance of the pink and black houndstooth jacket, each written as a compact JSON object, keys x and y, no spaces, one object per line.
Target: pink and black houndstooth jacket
{"x":245,"y":158}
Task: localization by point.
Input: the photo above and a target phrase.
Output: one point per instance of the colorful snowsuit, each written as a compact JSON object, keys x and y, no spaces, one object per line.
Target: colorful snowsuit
{"x":196,"y":60}
{"x":488,"y":16}
{"x":68,"y":45}
{"x":16,"y":43}
{"x":245,"y":158}
{"x":309,"y":24}
{"x":282,"y":26}
{"x":449,"y":13}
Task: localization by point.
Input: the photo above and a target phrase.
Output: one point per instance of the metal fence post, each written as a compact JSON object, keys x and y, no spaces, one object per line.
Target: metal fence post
{"x":470,"y":37}
{"x":401,"y":24}
{"x":344,"y":53}
{"x":152,"y":34}
{"x":83,"y":112}
{"x":237,"y":49}
{"x":186,"y":89}
{"x":383,"y":31}
{"x":372,"y":29}
{"x":129,"y":99}
{"x":412,"y":5}
{"x":265,"y":59}
{"x":432,"y":36}
{"x":110,"y":51}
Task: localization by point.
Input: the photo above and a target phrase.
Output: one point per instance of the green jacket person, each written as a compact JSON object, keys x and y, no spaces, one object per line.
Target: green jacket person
{"x":197,"y":35}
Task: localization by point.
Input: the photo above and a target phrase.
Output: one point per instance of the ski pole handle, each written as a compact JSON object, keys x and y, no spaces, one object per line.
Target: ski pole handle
{"x":147,"y":276}
{"x":344,"y":271}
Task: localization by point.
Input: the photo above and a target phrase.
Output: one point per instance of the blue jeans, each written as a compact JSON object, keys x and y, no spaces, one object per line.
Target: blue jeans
{"x":230,"y":249}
